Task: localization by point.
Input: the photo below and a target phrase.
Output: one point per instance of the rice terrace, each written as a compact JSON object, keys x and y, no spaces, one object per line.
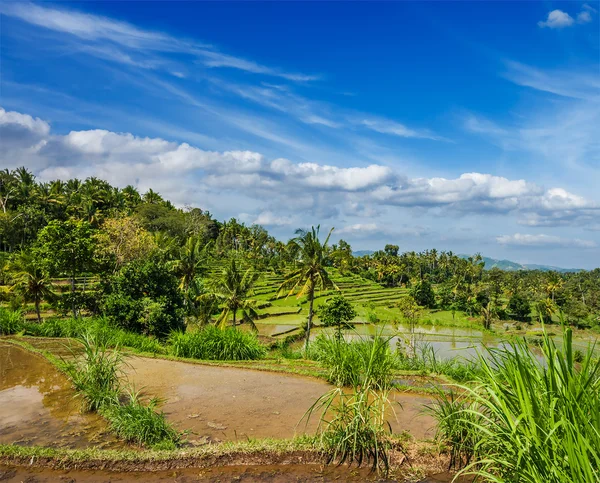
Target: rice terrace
{"x":244,"y":242}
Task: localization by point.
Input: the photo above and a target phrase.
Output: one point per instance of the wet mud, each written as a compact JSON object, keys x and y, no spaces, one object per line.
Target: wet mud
{"x":228,"y":404}
{"x":308,"y":473}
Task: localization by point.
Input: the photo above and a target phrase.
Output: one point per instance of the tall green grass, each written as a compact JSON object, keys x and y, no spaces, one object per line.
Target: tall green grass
{"x":212,"y":343}
{"x":141,"y":423}
{"x":352,"y":363}
{"x":424,"y":359}
{"x":352,"y":424}
{"x":529,"y":421}
{"x":96,"y":375}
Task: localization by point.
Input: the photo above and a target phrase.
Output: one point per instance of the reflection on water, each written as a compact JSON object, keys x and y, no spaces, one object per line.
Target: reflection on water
{"x":447,"y":342}
{"x":37,"y":405}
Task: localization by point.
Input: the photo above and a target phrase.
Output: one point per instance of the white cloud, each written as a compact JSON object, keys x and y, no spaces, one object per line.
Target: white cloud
{"x":557,"y":19}
{"x":359,"y":228}
{"x":184,"y":172}
{"x":105,"y":37}
{"x":268,"y":218}
{"x":386,"y":126}
{"x":567,"y":83}
{"x":35,"y":125}
{"x":541,"y":240}
{"x":584,"y":17}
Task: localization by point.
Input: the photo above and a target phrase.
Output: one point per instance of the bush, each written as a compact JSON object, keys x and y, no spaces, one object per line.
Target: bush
{"x":11,"y":321}
{"x":212,"y":343}
{"x":144,"y":298}
{"x":353,"y":426}
{"x":423,"y":294}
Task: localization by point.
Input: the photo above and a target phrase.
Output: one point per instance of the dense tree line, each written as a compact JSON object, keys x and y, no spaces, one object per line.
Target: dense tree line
{"x":89,"y":247}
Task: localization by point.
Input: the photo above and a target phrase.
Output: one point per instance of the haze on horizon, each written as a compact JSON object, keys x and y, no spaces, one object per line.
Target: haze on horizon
{"x":465,"y":127}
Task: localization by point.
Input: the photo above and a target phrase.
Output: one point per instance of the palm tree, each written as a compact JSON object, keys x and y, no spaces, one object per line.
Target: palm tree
{"x":233,"y":289}
{"x":310,"y":272}
{"x":192,"y":258}
{"x":29,"y":281}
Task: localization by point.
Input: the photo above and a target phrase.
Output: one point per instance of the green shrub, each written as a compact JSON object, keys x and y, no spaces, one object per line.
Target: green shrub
{"x":144,"y":298}
{"x":11,"y":321}
{"x":212,"y":343}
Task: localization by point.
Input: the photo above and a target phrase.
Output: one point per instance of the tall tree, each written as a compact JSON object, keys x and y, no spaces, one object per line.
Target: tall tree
{"x":67,"y":247}
{"x":310,"y":273}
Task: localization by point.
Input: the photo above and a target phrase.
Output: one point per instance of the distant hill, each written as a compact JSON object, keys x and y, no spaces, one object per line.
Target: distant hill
{"x":362,"y":253}
{"x":514,"y":266}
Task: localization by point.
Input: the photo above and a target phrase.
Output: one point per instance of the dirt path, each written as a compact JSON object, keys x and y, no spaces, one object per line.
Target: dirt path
{"x":223,"y":403}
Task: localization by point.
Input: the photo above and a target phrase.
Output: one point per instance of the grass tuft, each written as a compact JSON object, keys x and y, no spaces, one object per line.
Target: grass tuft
{"x":212,"y":343}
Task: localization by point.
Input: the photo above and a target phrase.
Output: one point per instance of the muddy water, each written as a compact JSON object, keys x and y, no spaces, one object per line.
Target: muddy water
{"x":222,"y":403}
{"x":37,"y":405}
{"x":308,"y":473}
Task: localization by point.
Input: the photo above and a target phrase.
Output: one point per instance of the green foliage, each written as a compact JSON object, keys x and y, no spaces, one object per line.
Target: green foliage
{"x":519,"y":305}
{"x":423,"y":294}
{"x":232,"y":290}
{"x":456,"y":417}
{"x":337,"y":311}
{"x":354,"y":363}
{"x":11,"y":321}
{"x":28,"y":280}
{"x":95,"y":375}
{"x":530,"y":421}
{"x":212,"y":343}
{"x":98,"y":328}
{"x":144,"y":298}
{"x":310,"y":273}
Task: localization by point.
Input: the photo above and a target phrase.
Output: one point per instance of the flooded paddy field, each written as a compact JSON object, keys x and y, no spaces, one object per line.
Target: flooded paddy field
{"x":38,"y":406}
{"x":223,"y":403}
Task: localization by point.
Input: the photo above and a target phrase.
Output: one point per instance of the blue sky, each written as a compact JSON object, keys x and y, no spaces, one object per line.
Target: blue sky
{"x":468,"y":126}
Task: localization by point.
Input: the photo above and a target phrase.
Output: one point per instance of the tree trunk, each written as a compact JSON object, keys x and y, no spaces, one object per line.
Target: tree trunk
{"x":37,"y":310}
{"x":73,"y":295}
{"x":311,"y":297}
{"x":234,"y":314}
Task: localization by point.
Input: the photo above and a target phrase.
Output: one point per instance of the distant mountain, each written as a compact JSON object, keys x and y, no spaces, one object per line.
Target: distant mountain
{"x":362,"y":253}
{"x":514,"y":266}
